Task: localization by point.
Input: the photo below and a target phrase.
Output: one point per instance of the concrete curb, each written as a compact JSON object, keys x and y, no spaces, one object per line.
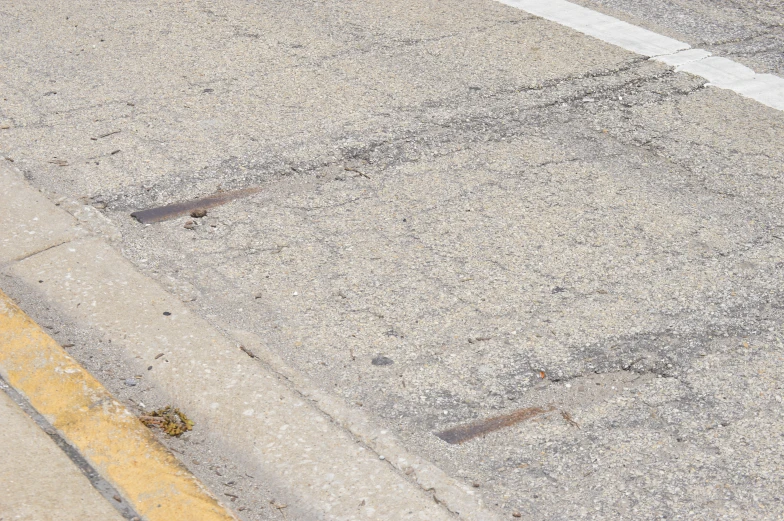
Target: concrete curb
{"x":318,"y":454}
{"x":454,"y":495}
{"x":41,"y":481}
{"x":109,"y":436}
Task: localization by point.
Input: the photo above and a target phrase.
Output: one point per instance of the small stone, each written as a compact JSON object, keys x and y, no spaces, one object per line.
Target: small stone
{"x":131,"y":382}
{"x":166,"y":313}
{"x":190,"y":225}
{"x":382,"y":360}
{"x":198,"y":213}
{"x":381,"y":458}
{"x":517,"y":514}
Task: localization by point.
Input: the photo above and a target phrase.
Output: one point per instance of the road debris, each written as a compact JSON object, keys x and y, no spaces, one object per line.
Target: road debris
{"x":105,"y":135}
{"x":172,"y":421}
{"x":361,"y":174}
{"x":382,"y":360}
{"x":248,"y":352}
{"x":279,"y":506}
{"x":568,"y":417}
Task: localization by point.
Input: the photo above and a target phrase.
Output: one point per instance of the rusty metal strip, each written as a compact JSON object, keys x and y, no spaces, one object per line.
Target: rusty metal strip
{"x":171,"y":211}
{"x":469,"y":431}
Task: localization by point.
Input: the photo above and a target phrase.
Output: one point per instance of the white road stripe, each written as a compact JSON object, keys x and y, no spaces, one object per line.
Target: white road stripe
{"x":598,"y":25}
{"x":723,"y":73}
{"x":727,"y":74}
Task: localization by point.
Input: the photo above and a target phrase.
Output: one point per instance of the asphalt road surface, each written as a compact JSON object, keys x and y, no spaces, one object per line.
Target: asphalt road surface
{"x":750,"y":32}
{"x":456,"y":211}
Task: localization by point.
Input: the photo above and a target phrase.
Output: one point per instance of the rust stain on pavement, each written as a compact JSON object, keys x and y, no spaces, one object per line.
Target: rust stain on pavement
{"x":171,"y":211}
{"x":470,"y":431}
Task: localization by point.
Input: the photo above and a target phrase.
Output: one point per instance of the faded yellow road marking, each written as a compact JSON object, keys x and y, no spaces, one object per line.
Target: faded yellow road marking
{"x":109,"y":436}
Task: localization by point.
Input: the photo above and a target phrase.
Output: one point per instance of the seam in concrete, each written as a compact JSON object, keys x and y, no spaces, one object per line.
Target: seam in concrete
{"x":722,"y":73}
{"x":29,"y":222}
{"x":27,"y":255}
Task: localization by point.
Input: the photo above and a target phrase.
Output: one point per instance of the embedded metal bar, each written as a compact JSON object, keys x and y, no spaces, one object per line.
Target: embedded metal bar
{"x":171,"y":211}
{"x":467,"y":432}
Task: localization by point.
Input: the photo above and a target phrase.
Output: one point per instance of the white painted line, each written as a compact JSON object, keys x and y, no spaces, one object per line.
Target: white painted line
{"x":727,"y":74}
{"x":723,"y":73}
{"x":601,"y":26}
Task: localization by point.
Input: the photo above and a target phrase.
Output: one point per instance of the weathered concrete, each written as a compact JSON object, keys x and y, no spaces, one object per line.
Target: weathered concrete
{"x":110,"y":439}
{"x":245,"y":408}
{"x":37,"y":480}
{"x":31,"y":223}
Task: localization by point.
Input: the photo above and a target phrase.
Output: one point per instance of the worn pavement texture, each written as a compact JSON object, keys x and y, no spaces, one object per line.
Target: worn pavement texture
{"x":750,"y":32}
{"x":513,"y":214}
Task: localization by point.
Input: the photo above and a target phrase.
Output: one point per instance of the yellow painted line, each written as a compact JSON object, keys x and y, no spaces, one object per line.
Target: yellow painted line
{"x":109,"y":436}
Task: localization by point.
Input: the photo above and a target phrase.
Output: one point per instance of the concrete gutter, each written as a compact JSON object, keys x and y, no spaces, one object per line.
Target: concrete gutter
{"x":331,"y":460}
{"x":109,"y":436}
